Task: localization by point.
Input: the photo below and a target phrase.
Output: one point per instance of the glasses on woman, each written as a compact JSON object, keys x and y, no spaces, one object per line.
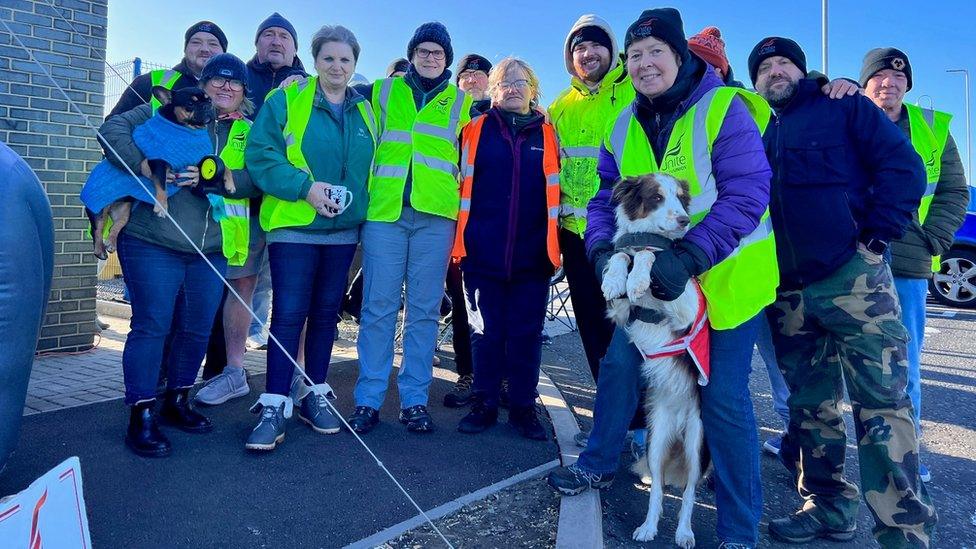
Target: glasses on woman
{"x":220,"y":82}
{"x":516,"y":85}
{"x":425,"y":53}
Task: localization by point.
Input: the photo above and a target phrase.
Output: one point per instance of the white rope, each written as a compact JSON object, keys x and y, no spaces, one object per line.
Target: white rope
{"x":216,"y":271}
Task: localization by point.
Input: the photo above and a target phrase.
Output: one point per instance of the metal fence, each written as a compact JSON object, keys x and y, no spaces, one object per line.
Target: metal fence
{"x":117,"y":79}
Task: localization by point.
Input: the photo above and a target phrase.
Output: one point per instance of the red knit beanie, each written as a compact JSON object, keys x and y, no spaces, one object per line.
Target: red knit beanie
{"x":708,"y":45}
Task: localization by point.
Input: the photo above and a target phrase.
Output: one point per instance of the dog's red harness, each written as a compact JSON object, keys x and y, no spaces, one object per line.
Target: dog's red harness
{"x":695,"y":342}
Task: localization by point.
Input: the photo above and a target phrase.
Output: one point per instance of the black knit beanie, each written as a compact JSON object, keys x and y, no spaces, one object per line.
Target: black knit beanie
{"x":776,"y":46}
{"x":432,"y":32}
{"x":208,"y":27}
{"x":591,"y":33}
{"x":880,"y":59}
{"x":661,"y":23}
{"x":472,"y":62}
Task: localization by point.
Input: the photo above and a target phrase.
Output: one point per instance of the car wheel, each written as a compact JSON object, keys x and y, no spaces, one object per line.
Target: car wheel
{"x":955,"y":284}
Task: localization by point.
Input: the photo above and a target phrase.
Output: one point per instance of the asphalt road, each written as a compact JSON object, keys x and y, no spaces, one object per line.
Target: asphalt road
{"x":949,"y":445}
{"x":313,"y":491}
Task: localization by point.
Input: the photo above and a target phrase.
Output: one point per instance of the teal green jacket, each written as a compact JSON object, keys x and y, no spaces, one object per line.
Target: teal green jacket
{"x":339,"y":152}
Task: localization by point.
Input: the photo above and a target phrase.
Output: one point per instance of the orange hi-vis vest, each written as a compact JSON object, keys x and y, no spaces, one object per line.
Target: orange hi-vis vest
{"x":470,"y":136}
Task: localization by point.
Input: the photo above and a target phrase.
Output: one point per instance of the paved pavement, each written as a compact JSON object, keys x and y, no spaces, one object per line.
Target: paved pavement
{"x":949,"y":447}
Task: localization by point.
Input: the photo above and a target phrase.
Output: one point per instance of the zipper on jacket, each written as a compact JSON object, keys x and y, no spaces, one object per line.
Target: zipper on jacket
{"x":513,"y":200}
{"x":790,"y":255}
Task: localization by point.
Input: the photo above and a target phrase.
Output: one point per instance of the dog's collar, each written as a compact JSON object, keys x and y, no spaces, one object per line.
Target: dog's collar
{"x":644,"y":314}
{"x":643,"y":240}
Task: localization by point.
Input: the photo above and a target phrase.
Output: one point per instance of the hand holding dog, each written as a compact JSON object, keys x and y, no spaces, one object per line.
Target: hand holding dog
{"x":319,"y":199}
{"x":674,"y":267}
{"x":189,"y":178}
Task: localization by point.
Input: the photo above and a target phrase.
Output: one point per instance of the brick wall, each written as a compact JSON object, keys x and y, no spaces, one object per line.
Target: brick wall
{"x":38,"y":123}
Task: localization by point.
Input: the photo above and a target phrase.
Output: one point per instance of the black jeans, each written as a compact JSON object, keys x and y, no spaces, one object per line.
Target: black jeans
{"x":589,"y":307}
{"x":459,"y":321}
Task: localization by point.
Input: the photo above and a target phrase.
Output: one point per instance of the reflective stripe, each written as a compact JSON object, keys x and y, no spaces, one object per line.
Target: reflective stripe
{"x":763,"y":231}
{"x":707,"y":190}
{"x":167,"y":75}
{"x":385,"y":90}
{"x":396,"y":136}
{"x":467,"y":171}
{"x":554,"y":212}
{"x":930,"y":189}
{"x":581,"y":152}
{"x":552,"y":179}
{"x":289,"y":137}
{"x":435,"y":163}
{"x":465,"y":204}
{"x":618,"y":137}
{"x":237,"y":210}
{"x":452,"y":127}
{"x":436,"y":131}
{"x":565,"y":210}
{"x":390,"y":171}
{"x":929,"y":116}
{"x":370,"y":118}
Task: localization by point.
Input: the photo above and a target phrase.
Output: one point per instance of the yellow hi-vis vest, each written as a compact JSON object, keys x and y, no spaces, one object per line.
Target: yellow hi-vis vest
{"x":235,"y":229}
{"x":580,"y":116}
{"x":163,"y":77}
{"x":299,"y":100}
{"x":930,"y":132}
{"x":423,"y":144}
{"x":738,"y":287}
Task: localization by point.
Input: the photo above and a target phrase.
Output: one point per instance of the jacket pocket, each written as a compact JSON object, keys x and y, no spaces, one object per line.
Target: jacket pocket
{"x":815,"y":158}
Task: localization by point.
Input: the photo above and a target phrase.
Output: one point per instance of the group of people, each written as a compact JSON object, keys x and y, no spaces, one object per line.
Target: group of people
{"x":471,"y":183}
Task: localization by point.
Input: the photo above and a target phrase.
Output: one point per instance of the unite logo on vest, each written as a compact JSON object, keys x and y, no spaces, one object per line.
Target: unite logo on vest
{"x":931,"y":170}
{"x":239,"y":141}
{"x":674,"y":158}
{"x":442,"y":104}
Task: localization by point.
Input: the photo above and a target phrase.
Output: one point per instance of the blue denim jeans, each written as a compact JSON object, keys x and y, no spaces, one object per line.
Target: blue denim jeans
{"x":727,"y":415}
{"x":777,"y":384}
{"x":261,"y":301}
{"x":412,"y":251}
{"x":911,"y":294}
{"x":308,"y":283}
{"x":164,"y":284}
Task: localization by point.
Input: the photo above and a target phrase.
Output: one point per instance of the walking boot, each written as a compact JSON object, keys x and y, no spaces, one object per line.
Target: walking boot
{"x":315,"y":411}
{"x":270,"y":430}
{"x":143,"y":436}
{"x":178,"y":412}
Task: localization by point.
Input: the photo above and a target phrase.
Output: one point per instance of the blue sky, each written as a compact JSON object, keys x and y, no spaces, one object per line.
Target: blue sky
{"x":937,"y":35}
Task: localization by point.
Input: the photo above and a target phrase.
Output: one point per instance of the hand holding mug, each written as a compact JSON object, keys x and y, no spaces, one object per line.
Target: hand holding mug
{"x":318,"y":198}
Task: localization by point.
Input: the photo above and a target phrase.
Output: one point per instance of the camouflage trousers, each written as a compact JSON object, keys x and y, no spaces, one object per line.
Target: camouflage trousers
{"x":847,"y":328}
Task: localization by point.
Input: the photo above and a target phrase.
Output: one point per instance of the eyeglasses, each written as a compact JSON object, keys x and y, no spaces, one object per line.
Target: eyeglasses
{"x":473,"y":74}
{"x":425,"y":53}
{"x":220,"y":81}
{"x":517,"y":85}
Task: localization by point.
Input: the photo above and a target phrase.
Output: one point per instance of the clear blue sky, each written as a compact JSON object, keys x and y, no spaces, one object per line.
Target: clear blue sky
{"x":936,"y":35}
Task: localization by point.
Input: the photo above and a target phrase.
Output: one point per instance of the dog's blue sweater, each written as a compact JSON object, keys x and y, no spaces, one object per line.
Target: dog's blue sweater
{"x":158,"y":139}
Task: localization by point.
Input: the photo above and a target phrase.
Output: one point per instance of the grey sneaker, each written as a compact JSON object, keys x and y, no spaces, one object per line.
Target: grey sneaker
{"x":270,"y":431}
{"x":231,"y":383}
{"x":298,"y":388}
{"x":315,"y":410}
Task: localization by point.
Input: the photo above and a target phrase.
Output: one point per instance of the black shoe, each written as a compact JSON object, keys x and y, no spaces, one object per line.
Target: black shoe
{"x":101,"y":324}
{"x":417,"y":419}
{"x":461,"y":395}
{"x":363,"y":419}
{"x":572,"y":480}
{"x":803,"y":527}
{"x":526,"y":422}
{"x":478,"y":419}
{"x":143,"y":436}
{"x":177,"y":412}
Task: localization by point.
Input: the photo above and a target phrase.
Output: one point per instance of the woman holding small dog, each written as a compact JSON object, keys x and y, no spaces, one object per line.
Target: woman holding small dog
{"x":310,"y":151}
{"x":166,"y":278}
{"x":685,"y":123}
{"x":508,"y":245}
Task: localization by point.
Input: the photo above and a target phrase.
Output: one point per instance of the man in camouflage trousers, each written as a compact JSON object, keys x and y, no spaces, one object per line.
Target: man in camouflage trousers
{"x":845,"y":183}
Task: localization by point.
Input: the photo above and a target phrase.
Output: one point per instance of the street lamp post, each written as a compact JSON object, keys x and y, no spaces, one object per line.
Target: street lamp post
{"x":969,"y":135}
{"x":823,"y":36}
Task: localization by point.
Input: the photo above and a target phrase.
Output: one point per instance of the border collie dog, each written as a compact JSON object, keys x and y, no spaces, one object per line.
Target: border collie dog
{"x":652,"y":211}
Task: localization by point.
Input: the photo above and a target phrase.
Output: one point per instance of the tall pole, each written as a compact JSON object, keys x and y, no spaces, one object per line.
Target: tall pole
{"x":969,"y":135}
{"x":823,"y":36}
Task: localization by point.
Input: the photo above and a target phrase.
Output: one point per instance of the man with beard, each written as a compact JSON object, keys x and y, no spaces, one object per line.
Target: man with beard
{"x":200,"y":42}
{"x":599,"y":89}
{"x":846,"y":182}
{"x":472,"y":78}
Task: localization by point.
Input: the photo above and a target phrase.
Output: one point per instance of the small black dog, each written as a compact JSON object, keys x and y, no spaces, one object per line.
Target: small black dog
{"x":187,"y":107}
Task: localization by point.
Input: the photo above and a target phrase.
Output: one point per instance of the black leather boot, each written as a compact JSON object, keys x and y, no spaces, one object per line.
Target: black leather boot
{"x":177,"y":412}
{"x":143,"y":436}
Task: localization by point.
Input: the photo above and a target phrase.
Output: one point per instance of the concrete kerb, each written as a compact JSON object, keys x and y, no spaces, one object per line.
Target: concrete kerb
{"x":113,"y":309}
{"x":580,"y":517}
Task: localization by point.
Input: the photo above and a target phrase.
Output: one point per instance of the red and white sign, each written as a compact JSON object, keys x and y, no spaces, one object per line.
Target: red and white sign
{"x":49,"y":514}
